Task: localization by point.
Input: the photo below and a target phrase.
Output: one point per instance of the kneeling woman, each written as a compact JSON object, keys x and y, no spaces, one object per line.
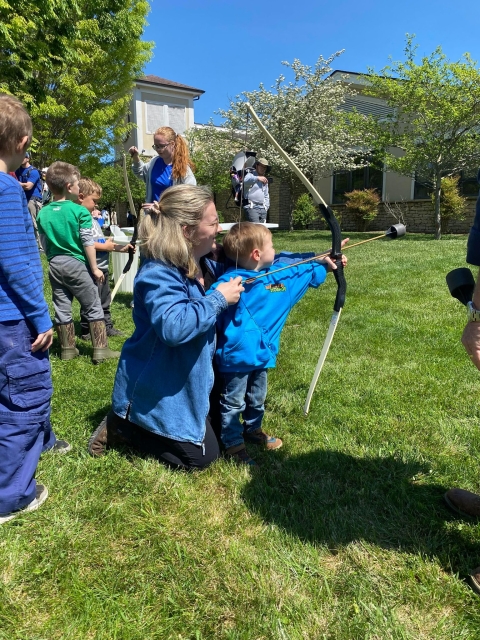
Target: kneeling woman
{"x":161,"y":392}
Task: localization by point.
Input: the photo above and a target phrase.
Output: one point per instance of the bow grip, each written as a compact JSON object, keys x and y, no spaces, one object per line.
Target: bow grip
{"x":336,"y":256}
{"x":341,"y":285}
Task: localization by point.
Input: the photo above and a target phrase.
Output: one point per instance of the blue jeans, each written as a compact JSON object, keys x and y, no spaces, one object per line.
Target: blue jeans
{"x":25,"y":392}
{"x":242,"y":394}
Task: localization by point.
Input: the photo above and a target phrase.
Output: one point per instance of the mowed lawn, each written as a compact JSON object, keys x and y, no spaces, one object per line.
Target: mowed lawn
{"x":342,"y":533}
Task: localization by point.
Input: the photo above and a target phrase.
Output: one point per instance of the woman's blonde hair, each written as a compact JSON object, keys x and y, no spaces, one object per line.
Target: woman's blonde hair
{"x":181,"y":157}
{"x":162,"y":229}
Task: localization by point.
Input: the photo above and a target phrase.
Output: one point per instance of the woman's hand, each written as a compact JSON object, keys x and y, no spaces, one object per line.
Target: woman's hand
{"x":231,"y":290}
{"x":133,"y":151}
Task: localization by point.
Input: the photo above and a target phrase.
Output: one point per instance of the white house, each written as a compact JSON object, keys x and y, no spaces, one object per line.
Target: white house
{"x":158,"y":102}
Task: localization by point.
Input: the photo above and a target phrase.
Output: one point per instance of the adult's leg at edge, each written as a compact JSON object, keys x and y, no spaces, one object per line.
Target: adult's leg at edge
{"x":179,"y":455}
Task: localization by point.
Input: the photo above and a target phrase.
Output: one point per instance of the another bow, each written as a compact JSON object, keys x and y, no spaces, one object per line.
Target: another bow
{"x":131,"y":252}
{"x":336,"y":253}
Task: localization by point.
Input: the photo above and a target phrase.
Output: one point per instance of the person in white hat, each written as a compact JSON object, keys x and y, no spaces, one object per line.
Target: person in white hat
{"x":255,"y":192}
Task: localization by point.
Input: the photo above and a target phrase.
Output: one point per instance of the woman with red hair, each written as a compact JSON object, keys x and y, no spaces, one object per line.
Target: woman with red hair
{"x":171,"y":166}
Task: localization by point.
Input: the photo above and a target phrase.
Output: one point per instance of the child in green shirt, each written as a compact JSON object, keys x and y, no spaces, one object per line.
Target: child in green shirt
{"x":66,"y":229}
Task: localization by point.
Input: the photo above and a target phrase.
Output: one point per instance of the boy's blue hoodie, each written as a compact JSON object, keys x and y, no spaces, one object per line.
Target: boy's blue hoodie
{"x":248,"y":333}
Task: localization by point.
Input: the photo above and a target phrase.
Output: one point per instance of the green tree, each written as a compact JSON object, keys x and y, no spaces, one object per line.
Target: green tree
{"x":434,"y":120}
{"x":304,"y":116}
{"x":73,"y":63}
{"x":304,"y":212}
{"x":110,"y":178}
{"x":363,"y":203}
{"x":453,"y":204}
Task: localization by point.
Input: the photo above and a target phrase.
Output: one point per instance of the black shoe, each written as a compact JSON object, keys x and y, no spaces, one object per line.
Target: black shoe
{"x":61,"y":446}
{"x":111,"y":331}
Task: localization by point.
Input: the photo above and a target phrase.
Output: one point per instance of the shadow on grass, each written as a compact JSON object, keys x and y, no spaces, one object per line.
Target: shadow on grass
{"x":332,"y":498}
{"x":124,"y":299}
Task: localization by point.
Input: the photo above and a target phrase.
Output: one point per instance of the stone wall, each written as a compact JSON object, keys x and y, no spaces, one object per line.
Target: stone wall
{"x":417,"y":215}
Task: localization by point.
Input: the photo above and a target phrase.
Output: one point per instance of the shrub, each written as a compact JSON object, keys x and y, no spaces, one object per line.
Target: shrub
{"x":364,"y":205}
{"x":452,"y":204}
{"x":304,"y":212}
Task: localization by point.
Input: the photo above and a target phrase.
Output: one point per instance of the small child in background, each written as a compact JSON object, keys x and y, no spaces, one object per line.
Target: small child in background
{"x":89,"y":194}
{"x":249,"y":332}
{"x":72,"y":264}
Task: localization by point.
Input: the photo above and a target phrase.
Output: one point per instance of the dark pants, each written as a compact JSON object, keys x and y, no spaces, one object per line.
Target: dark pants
{"x":105,"y":295}
{"x":25,"y":392}
{"x":173,"y":453}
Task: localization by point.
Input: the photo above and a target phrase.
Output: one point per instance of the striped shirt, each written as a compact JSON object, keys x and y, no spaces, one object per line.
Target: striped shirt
{"x":21,"y":276}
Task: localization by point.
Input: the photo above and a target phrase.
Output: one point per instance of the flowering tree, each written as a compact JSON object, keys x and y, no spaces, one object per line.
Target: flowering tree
{"x":212,"y":149}
{"x":305,"y":117}
{"x":435,"y":117}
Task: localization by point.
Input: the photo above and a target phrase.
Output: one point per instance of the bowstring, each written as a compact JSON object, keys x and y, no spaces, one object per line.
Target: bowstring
{"x":240,"y":204}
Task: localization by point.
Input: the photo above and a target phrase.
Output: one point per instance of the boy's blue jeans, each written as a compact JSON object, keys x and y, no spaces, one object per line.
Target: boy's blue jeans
{"x":242,"y":393}
{"x":25,"y":392}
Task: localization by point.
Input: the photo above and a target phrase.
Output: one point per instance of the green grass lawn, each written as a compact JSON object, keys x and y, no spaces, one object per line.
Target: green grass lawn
{"x":342,"y":533}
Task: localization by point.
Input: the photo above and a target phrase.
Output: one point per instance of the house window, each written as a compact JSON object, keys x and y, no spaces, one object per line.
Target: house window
{"x":468,"y":185}
{"x":370,"y":177}
{"x":422,"y":189}
{"x":165,"y":115}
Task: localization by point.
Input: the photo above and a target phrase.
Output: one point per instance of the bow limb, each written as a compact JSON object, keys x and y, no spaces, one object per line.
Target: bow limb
{"x":132,"y":209}
{"x":336,"y":253}
{"x":131,"y":204}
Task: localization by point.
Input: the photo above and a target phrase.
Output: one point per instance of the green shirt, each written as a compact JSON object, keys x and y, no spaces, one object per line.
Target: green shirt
{"x":61,"y":222}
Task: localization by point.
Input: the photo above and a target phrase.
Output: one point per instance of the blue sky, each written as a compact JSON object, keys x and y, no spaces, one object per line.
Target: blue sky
{"x":229,"y":47}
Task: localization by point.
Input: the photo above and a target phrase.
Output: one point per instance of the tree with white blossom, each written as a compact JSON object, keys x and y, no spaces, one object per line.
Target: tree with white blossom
{"x":212,"y":149}
{"x":306,"y":118}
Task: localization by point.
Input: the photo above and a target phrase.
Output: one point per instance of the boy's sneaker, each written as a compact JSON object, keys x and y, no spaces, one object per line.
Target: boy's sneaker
{"x":61,"y":446}
{"x":239,"y":454}
{"x":111,"y":331}
{"x":41,"y":494}
{"x":263,"y":439}
{"x":86,"y":337}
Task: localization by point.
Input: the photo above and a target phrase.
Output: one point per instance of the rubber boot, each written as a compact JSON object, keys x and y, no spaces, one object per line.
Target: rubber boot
{"x":98,"y":334}
{"x":66,"y":335}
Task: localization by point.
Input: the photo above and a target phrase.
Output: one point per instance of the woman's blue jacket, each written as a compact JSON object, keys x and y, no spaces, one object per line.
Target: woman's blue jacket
{"x":165,"y":374}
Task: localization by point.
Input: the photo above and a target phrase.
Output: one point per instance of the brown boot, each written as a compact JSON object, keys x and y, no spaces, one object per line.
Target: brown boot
{"x":101,"y":351}
{"x":463,"y":502}
{"x":475,"y":580}
{"x":262,"y":439}
{"x":106,"y":435}
{"x":239,"y":454}
{"x":66,"y":336}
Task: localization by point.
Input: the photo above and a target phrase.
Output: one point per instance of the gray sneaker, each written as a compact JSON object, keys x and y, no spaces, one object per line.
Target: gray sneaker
{"x":61,"y":446}
{"x":41,"y":494}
